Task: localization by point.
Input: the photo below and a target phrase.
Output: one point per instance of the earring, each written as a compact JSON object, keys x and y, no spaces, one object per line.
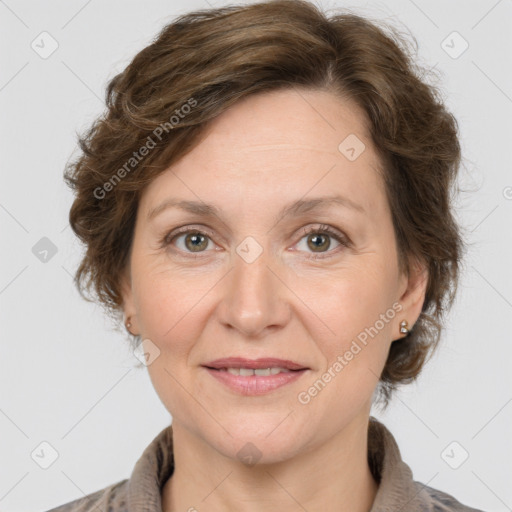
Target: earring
{"x":403,"y":327}
{"x":128,"y":323}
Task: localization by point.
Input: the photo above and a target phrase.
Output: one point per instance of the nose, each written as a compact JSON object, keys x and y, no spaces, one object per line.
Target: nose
{"x":254,"y":300}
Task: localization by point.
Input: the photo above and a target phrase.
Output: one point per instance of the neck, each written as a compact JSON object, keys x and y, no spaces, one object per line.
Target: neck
{"x":333,"y":476}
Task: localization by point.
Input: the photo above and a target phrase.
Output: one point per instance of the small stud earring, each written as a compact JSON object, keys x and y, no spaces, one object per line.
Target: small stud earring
{"x":403,"y":327}
{"x":128,"y":323}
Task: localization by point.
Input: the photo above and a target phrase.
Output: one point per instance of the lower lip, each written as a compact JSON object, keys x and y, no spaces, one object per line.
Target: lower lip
{"x":255,"y":384}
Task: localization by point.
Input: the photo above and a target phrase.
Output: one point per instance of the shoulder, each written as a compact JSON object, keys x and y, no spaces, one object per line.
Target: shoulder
{"x":111,"y":498}
{"x":441,"y":501}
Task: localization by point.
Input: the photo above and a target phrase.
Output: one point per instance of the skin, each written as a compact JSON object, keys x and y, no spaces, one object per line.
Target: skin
{"x":267,"y":151}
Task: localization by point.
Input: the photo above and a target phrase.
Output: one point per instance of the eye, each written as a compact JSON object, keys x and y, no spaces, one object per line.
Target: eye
{"x":187,"y":240}
{"x":319,"y":239}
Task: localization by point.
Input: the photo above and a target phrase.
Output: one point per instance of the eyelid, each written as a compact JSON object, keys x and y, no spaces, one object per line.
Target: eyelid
{"x":167,"y":240}
{"x":323,"y":228}
{"x":170,"y":235}
{"x":338,"y":235}
{"x":342,"y":239}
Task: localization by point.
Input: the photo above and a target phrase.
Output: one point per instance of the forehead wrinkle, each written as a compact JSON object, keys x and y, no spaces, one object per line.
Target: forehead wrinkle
{"x":285,"y":147}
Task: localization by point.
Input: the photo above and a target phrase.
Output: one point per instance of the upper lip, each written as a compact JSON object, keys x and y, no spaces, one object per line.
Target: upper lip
{"x":264,"y":362}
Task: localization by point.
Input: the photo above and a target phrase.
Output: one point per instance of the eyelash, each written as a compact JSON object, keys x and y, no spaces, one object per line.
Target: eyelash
{"x":323,"y":229}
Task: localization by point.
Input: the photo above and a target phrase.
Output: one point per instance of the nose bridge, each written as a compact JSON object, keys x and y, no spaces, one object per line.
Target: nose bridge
{"x":254,"y":299}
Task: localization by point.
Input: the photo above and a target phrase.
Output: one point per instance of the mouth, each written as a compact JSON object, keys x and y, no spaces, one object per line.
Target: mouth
{"x":248,"y":367}
{"x":255,"y":376}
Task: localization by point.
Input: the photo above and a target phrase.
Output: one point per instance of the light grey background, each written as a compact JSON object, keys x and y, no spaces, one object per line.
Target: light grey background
{"x":68,"y":377}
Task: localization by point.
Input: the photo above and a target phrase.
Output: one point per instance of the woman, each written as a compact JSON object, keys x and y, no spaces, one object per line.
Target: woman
{"x":267,"y":204}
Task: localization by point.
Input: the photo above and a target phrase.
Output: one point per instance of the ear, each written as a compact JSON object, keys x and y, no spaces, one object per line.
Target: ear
{"x":413,"y":293}
{"x":128,"y":302}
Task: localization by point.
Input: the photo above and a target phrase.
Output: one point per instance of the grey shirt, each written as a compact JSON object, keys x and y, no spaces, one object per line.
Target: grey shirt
{"x":397,"y":489}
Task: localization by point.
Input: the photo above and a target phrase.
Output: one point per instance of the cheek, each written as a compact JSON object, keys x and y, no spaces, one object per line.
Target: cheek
{"x":170,"y":314}
{"x":356,"y":299}
{"x":359,"y":309}
{"x":170,"y":306}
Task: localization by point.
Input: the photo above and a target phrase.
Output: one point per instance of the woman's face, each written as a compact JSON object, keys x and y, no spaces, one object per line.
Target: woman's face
{"x":258,"y":276}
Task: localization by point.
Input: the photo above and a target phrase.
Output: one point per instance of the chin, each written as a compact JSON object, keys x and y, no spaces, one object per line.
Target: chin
{"x":262,"y":442}
{"x":260,"y":451}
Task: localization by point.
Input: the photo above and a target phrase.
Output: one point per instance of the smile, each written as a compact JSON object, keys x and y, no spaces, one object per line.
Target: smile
{"x":253,"y":382}
{"x":261,"y":372}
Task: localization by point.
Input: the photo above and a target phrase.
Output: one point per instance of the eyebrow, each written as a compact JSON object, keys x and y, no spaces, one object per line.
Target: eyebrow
{"x":294,"y":209}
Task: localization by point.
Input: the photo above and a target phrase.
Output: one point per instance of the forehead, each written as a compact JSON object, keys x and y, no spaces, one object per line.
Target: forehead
{"x":316,"y":121}
{"x":277,"y":147}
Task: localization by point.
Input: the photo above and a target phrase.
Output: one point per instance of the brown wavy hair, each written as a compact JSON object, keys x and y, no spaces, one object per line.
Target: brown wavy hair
{"x":204,"y":62}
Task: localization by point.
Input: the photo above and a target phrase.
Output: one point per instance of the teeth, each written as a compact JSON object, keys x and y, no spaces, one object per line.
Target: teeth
{"x":262,"y":372}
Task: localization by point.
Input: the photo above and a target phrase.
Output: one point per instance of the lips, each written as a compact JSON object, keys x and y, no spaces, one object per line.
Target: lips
{"x":252,"y":377}
{"x":254,"y":364}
